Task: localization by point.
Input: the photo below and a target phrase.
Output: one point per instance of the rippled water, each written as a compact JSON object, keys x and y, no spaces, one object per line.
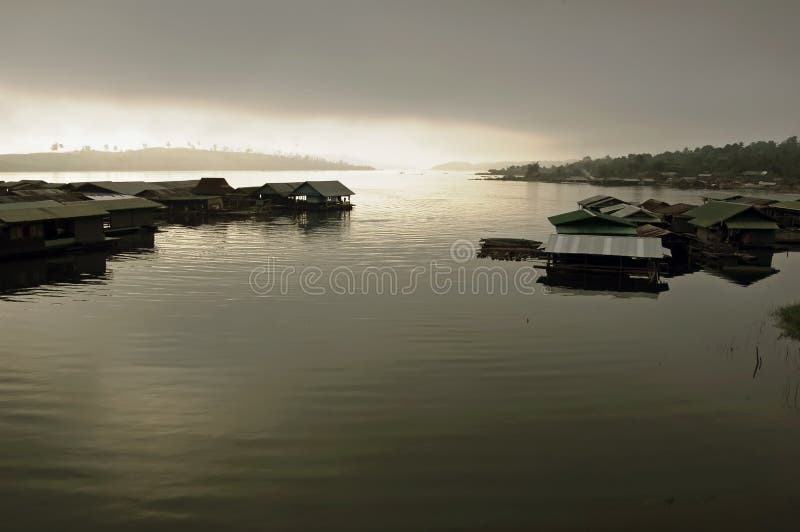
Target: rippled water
{"x":157,"y":390}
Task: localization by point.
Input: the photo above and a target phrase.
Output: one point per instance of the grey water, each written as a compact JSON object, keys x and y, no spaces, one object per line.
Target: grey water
{"x":173,"y":387}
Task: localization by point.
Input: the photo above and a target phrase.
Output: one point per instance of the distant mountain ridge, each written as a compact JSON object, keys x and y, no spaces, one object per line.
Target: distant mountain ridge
{"x":156,"y":159}
{"x":462,"y":166}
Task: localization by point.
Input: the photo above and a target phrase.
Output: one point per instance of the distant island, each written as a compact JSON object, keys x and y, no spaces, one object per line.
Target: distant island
{"x":462,"y":166}
{"x":762,"y":164}
{"x":155,"y":159}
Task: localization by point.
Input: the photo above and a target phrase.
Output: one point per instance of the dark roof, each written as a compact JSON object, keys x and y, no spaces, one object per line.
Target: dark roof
{"x":283,"y":190}
{"x":672,"y":210}
{"x":130,"y":188}
{"x":600,"y":199}
{"x":716,"y":212}
{"x":651,"y":231}
{"x":652,"y":204}
{"x":761,"y":202}
{"x":121,"y":203}
{"x":328,"y":188}
{"x":212,"y":186}
{"x":187,"y":184}
{"x":47,"y":193}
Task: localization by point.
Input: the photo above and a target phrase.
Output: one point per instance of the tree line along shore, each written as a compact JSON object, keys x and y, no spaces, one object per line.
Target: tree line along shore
{"x":763,"y":164}
{"x":164,"y":159}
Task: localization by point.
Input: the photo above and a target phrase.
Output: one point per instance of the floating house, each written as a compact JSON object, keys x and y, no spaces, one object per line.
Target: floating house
{"x":586,"y":222}
{"x":183,"y":201}
{"x":323,"y":194}
{"x":278,"y":194}
{"x":733,"y":223}
{"x":786,"y":213}
{"x":125,"y":213}
{"x":46,"y":226}
{"x":128,"y":188}
{"x":212,"y":186}
{"x":622,"y":256}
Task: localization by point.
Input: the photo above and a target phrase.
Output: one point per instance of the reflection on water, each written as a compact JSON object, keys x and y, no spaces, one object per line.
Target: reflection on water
{"x":60,"y":269}
{"x":164,"y":394}
{"x":68,"y":268}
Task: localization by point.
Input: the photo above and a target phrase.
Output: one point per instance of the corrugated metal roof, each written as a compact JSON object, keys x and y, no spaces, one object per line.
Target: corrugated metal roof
{"x":598,"y":199}
{"x":787,"y":206}
{"x":652,"y":231}
{"x":616,"y":246}
{"x":672,"y":210}
{"x":329,"y":188}
{"x":752,"y":200}
{"x":121,"y":203}
{"x":36,"y":211}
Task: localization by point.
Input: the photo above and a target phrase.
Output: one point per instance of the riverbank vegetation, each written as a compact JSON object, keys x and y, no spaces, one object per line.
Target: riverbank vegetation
{"x":762,"y":162}
{"x":789,"y":320}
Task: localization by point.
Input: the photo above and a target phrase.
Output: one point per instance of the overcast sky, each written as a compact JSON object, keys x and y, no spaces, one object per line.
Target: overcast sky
{"x":399,"y":83}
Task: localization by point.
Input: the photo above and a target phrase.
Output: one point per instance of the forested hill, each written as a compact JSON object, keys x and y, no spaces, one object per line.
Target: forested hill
{"x":163,"y":159}
{"x":778,"y":159}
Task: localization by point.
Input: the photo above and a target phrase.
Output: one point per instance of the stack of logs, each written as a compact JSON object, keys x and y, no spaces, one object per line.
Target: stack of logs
{"x":510,"y":249}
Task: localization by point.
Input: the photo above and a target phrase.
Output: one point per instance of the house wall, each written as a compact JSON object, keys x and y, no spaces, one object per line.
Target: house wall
{"x":89,"y":230}
{"x":757,"y":238}
{"x":21,"y":238}
{"x":132,"y":218}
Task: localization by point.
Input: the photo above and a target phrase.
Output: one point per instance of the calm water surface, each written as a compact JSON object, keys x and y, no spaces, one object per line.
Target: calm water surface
{"x":156,"y":390}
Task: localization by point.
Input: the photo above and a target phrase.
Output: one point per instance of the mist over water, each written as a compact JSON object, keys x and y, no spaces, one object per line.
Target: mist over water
{"x":158,"y":391}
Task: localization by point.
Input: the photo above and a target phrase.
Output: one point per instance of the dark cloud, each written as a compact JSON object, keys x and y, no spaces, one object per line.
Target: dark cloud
{"x":599,"y":75}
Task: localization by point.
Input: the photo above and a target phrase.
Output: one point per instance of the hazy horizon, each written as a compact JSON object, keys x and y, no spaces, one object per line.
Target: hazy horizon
{"x":399,"y":86}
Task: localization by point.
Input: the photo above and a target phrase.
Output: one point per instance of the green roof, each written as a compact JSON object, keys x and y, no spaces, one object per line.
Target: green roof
{"x":583,"y":222}
{"x":733,"y":215}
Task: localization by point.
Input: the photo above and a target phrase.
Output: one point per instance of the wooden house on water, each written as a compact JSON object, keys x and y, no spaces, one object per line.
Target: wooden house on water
{"x":278,"y":194}
{"x":126,"y":214}
{"x":183,"y":201}
{"x":39,"y":227}
{"x":733,"y":223}
{"x":787,"y":214}
{"x":621,"y":257}
{"x":323,"y":195}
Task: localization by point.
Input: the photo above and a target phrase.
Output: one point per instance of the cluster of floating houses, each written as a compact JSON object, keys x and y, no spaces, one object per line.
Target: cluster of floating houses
{"x":37,"y":217}
{"x":609,"y":242}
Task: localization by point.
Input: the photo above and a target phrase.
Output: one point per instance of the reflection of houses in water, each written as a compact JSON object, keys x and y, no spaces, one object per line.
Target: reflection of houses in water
{"x":309,"y":220}
{"x":66,"y":268}
{"x":742,"y":269}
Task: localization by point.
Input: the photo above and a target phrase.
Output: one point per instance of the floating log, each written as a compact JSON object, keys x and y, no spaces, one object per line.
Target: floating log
{"x":510,"y":249}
